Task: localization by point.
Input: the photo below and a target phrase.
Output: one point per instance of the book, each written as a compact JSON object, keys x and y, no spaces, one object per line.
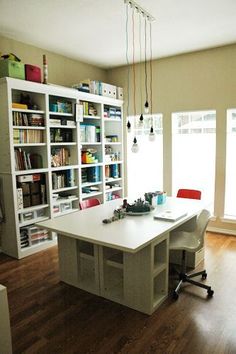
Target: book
{"x":170,"y":215}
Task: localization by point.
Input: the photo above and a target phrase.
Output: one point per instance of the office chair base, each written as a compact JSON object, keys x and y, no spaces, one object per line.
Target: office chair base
{"x":186,"y":278}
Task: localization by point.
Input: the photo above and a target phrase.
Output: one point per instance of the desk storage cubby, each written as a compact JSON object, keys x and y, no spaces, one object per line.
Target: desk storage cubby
{"x":88,"y":266}
{"x":160,"y":261}
{"x":112,"y":280}
{"x":159,"y":288}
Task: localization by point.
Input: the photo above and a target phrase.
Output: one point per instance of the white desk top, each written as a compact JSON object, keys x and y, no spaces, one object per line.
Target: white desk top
{"x":129,"y":234}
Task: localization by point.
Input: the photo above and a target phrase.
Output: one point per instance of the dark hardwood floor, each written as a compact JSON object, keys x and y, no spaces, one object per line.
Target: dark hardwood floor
{"x":48,"y":316}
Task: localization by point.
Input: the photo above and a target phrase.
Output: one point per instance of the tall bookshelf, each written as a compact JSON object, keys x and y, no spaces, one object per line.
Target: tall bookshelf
{"x":53,"y":156}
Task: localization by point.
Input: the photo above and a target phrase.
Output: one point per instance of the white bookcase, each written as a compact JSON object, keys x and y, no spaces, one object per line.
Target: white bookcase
{"x":42,"y":172}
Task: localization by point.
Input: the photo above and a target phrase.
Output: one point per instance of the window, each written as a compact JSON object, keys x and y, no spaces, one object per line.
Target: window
{"x":230,"y":185}
{"x":193,"y":153}
{"x":145,"y":168}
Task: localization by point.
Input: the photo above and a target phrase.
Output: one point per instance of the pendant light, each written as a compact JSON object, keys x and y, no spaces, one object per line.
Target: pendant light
{"x":152,"y":135}
{"x":143,"y":14}
{"x":135,"y":147}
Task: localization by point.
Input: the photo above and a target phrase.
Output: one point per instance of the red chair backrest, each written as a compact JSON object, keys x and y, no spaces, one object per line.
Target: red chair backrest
{"x":88,"y":203}
{"x":189,"y":193}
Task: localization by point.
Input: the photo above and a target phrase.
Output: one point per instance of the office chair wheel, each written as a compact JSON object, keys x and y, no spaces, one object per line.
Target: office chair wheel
{"x":175,"y":295}
{"x":210,"y":292}
{"x":204,"y":276}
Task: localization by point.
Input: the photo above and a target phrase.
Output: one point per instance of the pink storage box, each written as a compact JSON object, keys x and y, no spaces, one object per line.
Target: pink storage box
{"x":32,"y":73}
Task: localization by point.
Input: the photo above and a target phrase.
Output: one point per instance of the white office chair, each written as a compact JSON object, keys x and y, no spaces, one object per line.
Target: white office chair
{"x":190,"y":242}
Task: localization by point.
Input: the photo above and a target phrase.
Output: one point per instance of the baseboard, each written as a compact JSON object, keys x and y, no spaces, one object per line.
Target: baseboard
{"x":222,"y":231}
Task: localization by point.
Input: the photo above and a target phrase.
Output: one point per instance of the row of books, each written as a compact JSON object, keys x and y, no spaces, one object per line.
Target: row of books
{"x":60,"y":135}
{"x":99,"y":88}
{"x":63,"y":179}
{"x":62,"y":121}
{"x":26,"y":161}
{"x":89,"y":133}
{"x":28,"y":119}
{"x":32,"y":235}
{"x":88,"y":108}
{"x":112,"y":112}
{"x":91,"y":174}
{"x":21,"y":136}
{"x":60,"y":157}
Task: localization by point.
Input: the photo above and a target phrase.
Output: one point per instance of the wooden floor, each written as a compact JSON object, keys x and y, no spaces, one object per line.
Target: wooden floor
{"x":51,"y":317}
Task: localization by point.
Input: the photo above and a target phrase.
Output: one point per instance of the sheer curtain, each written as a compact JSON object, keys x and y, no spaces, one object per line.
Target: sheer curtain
{"x":193,"y":153}
{"x":230,"y":183}
{"x":145,"y":168}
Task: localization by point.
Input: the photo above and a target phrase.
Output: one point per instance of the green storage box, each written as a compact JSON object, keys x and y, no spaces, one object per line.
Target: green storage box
{"x":12,"y":68}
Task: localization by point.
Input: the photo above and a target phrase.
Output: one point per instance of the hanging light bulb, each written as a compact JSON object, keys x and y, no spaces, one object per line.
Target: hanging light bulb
{"x":152,"y":135}
{"x":128,"y":126}
{"x":135,"y":147}
{"x":146,"y":107}
{"x":141,"y":120}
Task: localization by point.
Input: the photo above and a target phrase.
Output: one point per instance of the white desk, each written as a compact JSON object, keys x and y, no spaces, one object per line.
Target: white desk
{"x":125,"y":261}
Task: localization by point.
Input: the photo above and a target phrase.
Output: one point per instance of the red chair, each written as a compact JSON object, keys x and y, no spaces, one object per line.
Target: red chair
{"x":189,"y":193}
{"x":88,"y":203}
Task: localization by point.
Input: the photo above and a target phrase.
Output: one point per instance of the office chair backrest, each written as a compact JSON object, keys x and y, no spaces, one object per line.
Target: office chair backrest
{"x":88,"y":203}
{"x":189,"y":193}
{"x":202,"y":222}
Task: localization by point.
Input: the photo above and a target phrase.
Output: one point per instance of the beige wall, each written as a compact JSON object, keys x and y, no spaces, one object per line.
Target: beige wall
{"x":195,"y":81}
{"x":61,"y":70}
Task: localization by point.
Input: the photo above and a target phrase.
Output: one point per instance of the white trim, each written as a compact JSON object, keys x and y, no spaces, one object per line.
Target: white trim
{"x":222,"y":231}
{"x":228,"y":219}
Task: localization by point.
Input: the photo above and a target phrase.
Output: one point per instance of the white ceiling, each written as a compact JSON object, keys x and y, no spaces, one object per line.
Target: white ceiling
{"x":93,"y":31}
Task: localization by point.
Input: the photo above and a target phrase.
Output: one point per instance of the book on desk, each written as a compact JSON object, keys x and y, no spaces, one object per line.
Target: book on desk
{"x":170,"y":215}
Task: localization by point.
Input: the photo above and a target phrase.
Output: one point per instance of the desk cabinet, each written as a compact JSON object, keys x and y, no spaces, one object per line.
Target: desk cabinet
{"x":138,"y":280}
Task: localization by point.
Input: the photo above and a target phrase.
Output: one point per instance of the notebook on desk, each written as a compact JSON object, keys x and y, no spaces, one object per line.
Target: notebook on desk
{"x":170,"y":215}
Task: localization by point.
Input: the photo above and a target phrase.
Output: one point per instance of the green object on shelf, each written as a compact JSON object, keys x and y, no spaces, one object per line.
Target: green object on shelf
{"x":12,"y":68}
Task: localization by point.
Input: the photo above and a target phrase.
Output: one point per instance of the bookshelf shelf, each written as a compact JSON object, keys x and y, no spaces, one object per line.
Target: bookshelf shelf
{"x":33,"y":208}
{"x":64,"y":144}
{"x":27,"y":111}
{"x":62,"y":168}
{"x":60,"y":114}
{"x":29,"y":144}
{"x":56,"y":215}
{"x":29,"y":222}
{"x":63,"y":126}
{"x":88,"y":184}
{"x":91,"y":165}
{"x":113,"y":189}
{"x":90,"y":144}
{"x":64,"y":200}
{"x":28,"y":127}
{"x":90,"y":195}
{"x":30,"y":171}
{"x":92,"y":117}
{"x":49,"y":145}
{"x":64,"y":189}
